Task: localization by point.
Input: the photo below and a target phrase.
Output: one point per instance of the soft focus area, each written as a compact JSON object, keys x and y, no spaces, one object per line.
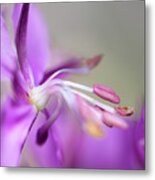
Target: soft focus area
{"x":115,"y":29}
{"x":73,"y":85}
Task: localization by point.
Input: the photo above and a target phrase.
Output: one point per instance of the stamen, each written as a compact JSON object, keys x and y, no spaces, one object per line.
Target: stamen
{"x":94,"y":102}
{"x":106,"y":93}
{"x":100,"y":90}
{"x":78,"y":86}
{"x":124,"y":110}
{"x":43,"y":88}
{"x":113,"y":120}
{"x":92,"y":122}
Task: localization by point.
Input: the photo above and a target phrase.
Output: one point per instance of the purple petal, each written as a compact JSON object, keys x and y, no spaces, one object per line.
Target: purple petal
{"x":16,"y":119}
{"x":35,"y":155}
{"x":66,"y":64}
{"x":116,"y":150}
{"x":140,"y":137}
{"x":19,"y":87}
{"x":37,"y":41}
{"x":59,"y":148}
{"x":113,"y":151}
{"x":68,"y":134}
{"x":8,"y":55}
{"x":21,"y":36}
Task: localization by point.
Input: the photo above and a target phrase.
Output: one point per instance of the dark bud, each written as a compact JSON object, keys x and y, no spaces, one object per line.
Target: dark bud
{"x":42,"y":136}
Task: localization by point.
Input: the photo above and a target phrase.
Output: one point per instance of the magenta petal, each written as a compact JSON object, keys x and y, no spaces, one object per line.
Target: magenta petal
{"x":67,"y":134}
{"x":16,"y":119}
{"x":140,"y":137}
{"x":35,"y":155}
{"x":67,"y":64}
{"x":19,"y":87}
{"x":115,"y":151}
{"x":37,"y":41}
{"x":59,"y":148}
{"x":8,"y":55}
{"x":21,"y":43}
{"x":110,"y":152}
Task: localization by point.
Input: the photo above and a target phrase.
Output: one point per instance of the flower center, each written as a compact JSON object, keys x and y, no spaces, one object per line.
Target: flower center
{"x":39,"y":98}
{"x":91,"y":113}
{"x":88,"y":107}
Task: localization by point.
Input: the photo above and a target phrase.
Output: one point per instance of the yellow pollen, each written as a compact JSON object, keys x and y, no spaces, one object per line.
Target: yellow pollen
{"x":93,"y":129}
{"x":125,"y":110}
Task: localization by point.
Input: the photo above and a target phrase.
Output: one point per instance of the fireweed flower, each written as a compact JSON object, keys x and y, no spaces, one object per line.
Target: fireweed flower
{"x":41,"y":98}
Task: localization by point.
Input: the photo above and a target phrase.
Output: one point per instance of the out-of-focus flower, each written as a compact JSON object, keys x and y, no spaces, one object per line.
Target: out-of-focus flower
{"x":34,"y":120}
{"x":118,"y":150}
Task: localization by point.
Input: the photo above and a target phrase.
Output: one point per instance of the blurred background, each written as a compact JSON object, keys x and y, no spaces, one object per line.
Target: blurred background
{"x":115,"y":29}
{"x":112,"y":28}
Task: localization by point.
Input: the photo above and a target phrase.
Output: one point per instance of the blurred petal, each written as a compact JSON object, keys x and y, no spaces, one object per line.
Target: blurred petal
{"x":8,"y":55}
{"x":140,"y":138}
{"x":19,"y":87}
{"x":68,"y":134}
{"x":59,"y":148}
{"x":15,"y":121}
{"x":34,"y":155}
{"x":21,"y":42}
{"x":65,"y":64}
{"x":116,"y":150}
{"x":113,"y":151}
{"x":92,"y":118}
{"x":37,"y":40}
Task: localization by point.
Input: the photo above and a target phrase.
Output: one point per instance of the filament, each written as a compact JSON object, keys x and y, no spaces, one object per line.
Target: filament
{"x":95,"y":102}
